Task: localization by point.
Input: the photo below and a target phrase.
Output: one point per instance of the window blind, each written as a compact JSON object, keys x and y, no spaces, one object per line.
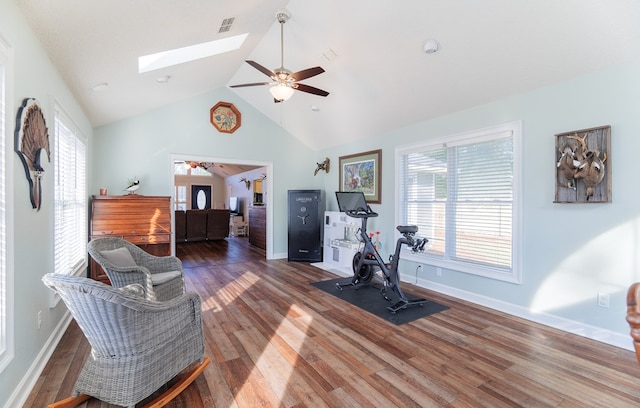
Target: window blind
{"x":6,"y":292}
{"x":461,"y":195}
{"x":70,"y":198}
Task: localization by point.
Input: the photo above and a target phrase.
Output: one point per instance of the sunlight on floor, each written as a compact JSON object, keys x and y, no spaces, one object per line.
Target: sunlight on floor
{"x":271,"y":364}
{"x":274,"y":359}
{"x":228,"y":293}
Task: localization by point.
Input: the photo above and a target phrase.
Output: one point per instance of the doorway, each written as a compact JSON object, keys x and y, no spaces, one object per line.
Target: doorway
{"x":237,"y":165}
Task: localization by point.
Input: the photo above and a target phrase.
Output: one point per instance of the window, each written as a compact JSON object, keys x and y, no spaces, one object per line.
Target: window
{"x":181,"y":197}
{"x":180,"y":169}
{"x":70,"y":196}
{"x":188,"y":168}
{"x":191,"y":169}
{"x":6,"y":266}
{"x":199,"y":171}
{"x":462,"y":192}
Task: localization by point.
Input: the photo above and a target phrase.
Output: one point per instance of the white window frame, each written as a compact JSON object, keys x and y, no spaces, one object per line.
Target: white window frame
{"x":71,"y":259}
{"x":6,"y":206}
{"x":181,"y":197}
{"x":514,"y":273}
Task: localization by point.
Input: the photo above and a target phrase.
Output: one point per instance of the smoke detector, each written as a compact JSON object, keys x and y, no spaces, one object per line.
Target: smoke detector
{"x":431,"y":46}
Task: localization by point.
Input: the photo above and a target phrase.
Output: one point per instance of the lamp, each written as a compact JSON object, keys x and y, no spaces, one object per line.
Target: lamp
{"x":281,"y":92}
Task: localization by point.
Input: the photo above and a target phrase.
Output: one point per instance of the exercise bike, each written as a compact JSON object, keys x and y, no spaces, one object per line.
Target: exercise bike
{"x":368,"y":262}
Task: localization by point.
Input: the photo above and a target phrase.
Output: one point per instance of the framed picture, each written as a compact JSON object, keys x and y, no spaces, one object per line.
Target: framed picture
{"x":583,"y":166}
{"x":225,"y":117}
{"x":362,"y":172}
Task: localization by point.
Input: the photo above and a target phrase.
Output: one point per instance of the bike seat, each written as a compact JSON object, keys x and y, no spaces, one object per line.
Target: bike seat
{"x":407,"y":229}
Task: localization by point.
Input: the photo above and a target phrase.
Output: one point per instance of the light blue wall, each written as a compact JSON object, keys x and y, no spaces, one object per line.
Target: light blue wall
{"x":32,"y":256}
{"x":571,"y":252}
{"x":238,"y":188}
{"x":143,"y":146}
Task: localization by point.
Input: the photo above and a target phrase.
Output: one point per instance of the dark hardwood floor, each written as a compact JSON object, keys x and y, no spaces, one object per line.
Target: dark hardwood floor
{"x":276,"y":341}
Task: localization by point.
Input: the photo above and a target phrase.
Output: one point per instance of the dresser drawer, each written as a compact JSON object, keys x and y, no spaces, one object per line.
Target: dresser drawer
{"x":144,"y":221}
{"x":148,"y":239}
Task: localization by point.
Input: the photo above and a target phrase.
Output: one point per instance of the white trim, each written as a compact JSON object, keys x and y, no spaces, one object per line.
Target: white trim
{"x":7,"y":328}
{"x":513,"y":129}
{"x":68,"y":121}
{"x":30,"y":378}
{"x":59,"y":112}
{"x":570,"y":326}
{"x":280,"y":255}
{"x":472,"y":135}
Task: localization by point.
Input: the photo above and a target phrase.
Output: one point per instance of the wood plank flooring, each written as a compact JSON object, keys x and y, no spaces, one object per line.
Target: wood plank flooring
{"x":276,"y":341}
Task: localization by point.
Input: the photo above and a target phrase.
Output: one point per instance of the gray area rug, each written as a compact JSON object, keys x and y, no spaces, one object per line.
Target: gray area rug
{"x":369,"y":298}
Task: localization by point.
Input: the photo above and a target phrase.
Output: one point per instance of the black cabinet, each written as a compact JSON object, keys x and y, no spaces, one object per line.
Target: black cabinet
{"x":306,"y":209}
{"x":258,"y":226}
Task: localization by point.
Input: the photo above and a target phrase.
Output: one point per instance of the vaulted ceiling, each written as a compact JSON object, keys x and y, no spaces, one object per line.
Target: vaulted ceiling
{"x":377,"y":72}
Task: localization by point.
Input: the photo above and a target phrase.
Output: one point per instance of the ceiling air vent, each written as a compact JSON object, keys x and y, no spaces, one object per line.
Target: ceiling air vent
{"x":226,"y":24}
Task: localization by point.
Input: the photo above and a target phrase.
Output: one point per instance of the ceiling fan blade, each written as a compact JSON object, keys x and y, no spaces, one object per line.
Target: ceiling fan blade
{"x":307,"y":73}
{"x":252,"y":84}
{"x":311,"y":90}
{"x":260,"y":68}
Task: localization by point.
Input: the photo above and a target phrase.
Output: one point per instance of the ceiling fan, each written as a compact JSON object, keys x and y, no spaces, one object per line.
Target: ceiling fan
{"x":284,"y":81}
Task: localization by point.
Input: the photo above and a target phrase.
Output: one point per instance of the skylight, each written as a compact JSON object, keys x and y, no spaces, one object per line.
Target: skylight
{"x":191,"y":53}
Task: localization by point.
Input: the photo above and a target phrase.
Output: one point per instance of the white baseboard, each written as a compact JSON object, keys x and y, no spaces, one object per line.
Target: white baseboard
{"x":571,"y":326}
{"x":591,"y":332}
{"x":281,"y":255}
{"x":24,"y":388}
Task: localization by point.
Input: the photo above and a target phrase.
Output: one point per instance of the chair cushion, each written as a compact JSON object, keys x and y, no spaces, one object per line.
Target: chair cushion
{"x":163,"y":277}
{"x":119,"y":257}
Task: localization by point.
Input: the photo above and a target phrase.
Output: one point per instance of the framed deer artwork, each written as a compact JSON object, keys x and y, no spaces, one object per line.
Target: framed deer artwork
{"x":583,"y":166}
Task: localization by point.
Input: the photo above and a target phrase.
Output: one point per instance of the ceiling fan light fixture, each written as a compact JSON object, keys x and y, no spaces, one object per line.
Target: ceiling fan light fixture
{"x":281,"y":92}
{"x":284,"y":82}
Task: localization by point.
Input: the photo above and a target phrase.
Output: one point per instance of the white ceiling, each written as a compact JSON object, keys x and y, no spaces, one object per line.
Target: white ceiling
{"x":224,"y":169}
{"x":380,"y":78}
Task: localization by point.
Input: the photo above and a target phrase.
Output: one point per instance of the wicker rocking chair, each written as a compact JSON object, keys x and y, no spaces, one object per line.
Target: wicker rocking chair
{"x":125,"y":263}
{"x":137,"y":345}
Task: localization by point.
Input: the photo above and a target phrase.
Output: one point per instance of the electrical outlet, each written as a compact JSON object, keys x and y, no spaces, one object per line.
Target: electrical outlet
{"x":438,"y":271}
{"x":39,"y":319}
{"x":603,"y":300}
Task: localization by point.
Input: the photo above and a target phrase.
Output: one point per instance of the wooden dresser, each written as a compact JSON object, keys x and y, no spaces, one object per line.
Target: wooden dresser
{"x":142,"y":220}
{"x":258,"y":226}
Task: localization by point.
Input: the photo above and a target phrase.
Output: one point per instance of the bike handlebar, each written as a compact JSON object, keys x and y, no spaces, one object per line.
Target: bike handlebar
{"x":362,"y":213}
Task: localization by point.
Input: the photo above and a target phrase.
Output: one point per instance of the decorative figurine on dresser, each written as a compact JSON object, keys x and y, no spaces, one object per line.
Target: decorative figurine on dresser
{"x":142,"y":220}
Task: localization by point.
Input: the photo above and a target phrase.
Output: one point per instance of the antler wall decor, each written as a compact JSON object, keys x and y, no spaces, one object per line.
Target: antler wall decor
{"x":31,"y":139}
{"x":246,"y":182}
{"x":325,"y":166}
{"x":582,"y":175}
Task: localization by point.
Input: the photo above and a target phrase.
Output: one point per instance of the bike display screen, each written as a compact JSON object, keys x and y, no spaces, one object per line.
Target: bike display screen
{"x":351,"y":201}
